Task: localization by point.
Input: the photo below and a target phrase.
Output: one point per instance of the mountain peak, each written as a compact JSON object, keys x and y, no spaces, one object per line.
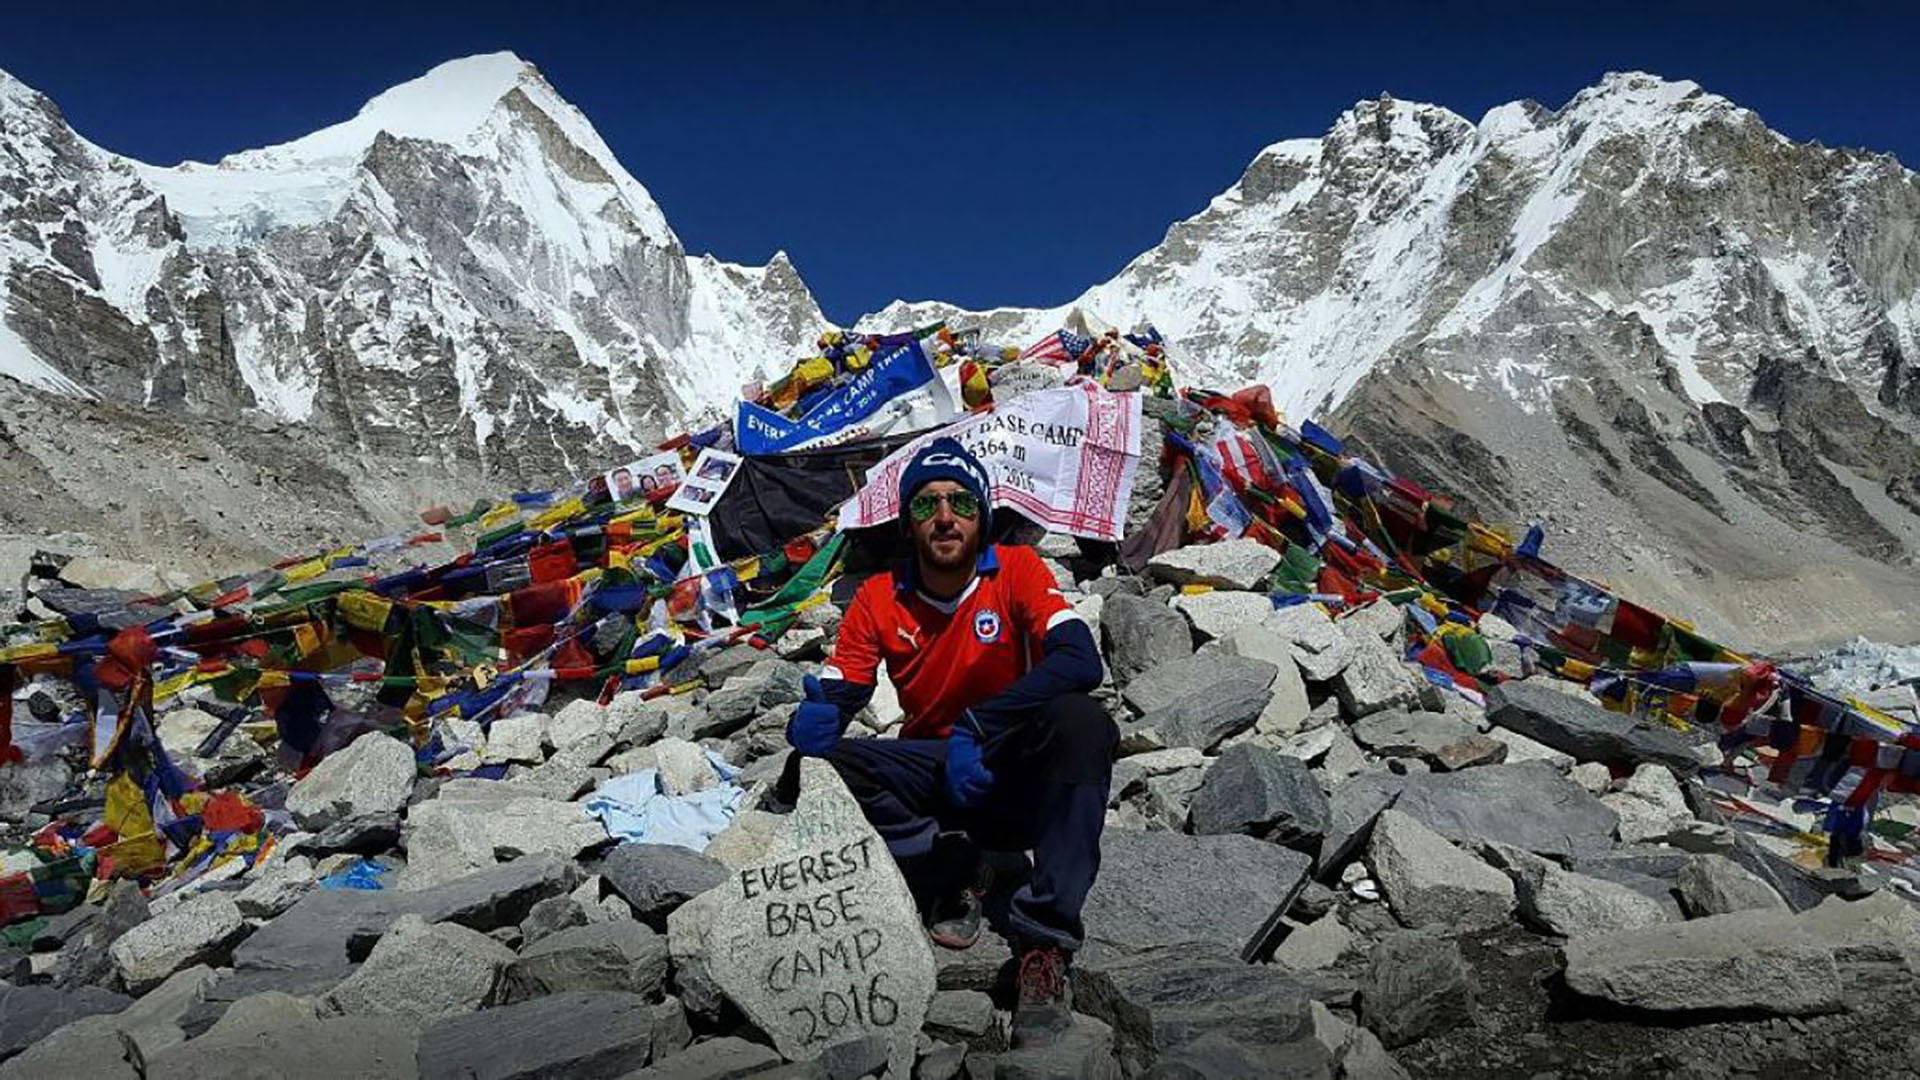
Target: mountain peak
{"x":444,"y":105}
{"x":1639,"y":99}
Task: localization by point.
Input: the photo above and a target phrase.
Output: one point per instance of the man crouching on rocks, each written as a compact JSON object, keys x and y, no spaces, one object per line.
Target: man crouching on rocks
{"x":1002,"y":748}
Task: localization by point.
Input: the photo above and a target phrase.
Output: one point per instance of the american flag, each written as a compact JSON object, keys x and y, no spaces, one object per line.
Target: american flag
{"x":1058,"y":347}
{"x":1240,"y":460}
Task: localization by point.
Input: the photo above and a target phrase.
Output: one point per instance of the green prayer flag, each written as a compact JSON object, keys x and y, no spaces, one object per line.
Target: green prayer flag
{"x":778,"y":612}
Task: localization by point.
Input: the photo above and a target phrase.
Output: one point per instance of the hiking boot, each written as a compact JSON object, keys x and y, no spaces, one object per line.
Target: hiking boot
{"x":1043,"y":1012}
{"x":957,"y":920}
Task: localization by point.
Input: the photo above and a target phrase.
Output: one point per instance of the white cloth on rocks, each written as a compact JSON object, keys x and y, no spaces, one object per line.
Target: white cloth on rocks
{"x":636,"y":807}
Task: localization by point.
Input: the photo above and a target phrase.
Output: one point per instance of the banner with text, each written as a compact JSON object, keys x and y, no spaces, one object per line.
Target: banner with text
{"x":898,"y":371}
{"x":1065,"y":458}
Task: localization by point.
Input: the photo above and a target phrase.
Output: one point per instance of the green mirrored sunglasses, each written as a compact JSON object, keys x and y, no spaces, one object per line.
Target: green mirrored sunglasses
{"x":926,"y":504}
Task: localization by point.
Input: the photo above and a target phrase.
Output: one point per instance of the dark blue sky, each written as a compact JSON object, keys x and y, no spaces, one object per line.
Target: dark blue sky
{"x":983,"y":153}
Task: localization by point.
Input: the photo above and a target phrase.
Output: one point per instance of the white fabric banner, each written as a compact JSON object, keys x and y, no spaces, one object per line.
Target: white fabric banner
{"x":1065,"y":458}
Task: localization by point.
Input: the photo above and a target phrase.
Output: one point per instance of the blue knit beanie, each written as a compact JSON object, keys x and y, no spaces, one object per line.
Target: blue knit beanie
{"x":946,"y":459}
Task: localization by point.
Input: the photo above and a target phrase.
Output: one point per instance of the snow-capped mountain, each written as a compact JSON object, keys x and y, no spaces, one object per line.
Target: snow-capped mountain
{"x":1683,"y":340}
{"x":1407,"y":225}
{"x":462,"y":272}
{"x":1681,"y":337}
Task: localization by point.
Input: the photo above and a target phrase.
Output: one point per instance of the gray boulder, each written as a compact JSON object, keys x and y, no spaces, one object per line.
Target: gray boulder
{"x":84,"y":959}
{"x":200,"y":930}
{"x":1352,"y":810}
{"x":316,"y":942}
{"x":1750,"y":962}
{"x":420,"y":972}
{"x":25,"y":784}
{"x":1585,"y":731}
{"x":1375,"y":678}
{"x":1356,"y":1052}
{"x":656,"y":878}
{"x":1443,"y":741}
{"x":285,"y":1039}
{"x":276,"y":886}
{"x":963,"y":1016}
{"x":976,"y":967}
{"x":1131,"y":771}
{"x":521,"y":739}
{"x":1255,"y":791}
{"x":582,"y":722}
{"x":27,"y":1013}
{"x":90,"y":1046}
{"x":767,"y":684}
{"x":1429,"y":882}
{"x":592,"y":1035}
{"x":1289,"y":708}
{"x":1202,"y":719}
{"x":1716,"y":885}
{"x":671,"y":1030}
{"x":1564,"y":903}
{"x":1881,"y":928}
{"x":1216,"y":614}
{"x":371,"y":775}
{"x":552,"y":915}
{"x":1529,"y":805}
{"x":1168,"y":799}
{"x":634,"y":720}
{"x":1173,"y":681}
{"x":1161,"y":1002}
{"x":1083,"y":1052}
{"x":620,"y":956}
{"x":1416,"y":983}
{"x":715,"y":1059}
{"x":1319,"y":648}
{"x":1140,"y":634}
{"x":1316,"y":946}
{"x":1225,"y":564}
{"x":153,"y":1023}
{"x":1159,"y":888}
{"x":724,"y":664}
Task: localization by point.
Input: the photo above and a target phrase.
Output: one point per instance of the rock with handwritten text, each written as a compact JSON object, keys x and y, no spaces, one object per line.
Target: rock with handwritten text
{"x":818,"y":942}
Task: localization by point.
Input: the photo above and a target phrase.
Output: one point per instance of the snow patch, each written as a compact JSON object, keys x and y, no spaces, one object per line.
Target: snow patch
{"x":18,"y":362}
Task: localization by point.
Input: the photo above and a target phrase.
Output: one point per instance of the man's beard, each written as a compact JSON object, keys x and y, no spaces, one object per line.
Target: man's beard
{"x":959,"y":560}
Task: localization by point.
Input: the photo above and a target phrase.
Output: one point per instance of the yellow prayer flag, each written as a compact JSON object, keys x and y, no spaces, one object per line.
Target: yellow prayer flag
{"x":306,"y":571}
{"x":307,"y":638}
{"x":364,"y":610}
{"x":139,"y":850}
{"x":558,"y":513}
{"x":168,"y":688}
{"x":31,"y":651}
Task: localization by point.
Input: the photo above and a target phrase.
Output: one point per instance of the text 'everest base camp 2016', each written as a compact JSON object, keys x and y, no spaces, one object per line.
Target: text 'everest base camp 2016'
{"x":1464,"y":515}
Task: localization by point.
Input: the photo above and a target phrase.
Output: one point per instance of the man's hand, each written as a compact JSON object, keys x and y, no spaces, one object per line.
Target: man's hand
{"x":815,"y":727}
{"x":968,"y":780}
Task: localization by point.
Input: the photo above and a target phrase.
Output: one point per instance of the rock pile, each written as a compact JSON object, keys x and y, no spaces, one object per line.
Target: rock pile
{"x":1313,"y":856}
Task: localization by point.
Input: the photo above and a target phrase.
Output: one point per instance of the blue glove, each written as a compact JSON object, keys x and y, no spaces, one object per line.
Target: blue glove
{"x":968,"y":780}
{"x":815,"y":727}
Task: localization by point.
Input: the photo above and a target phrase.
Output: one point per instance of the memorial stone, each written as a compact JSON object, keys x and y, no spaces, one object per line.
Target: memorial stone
{"x":819,"y":941}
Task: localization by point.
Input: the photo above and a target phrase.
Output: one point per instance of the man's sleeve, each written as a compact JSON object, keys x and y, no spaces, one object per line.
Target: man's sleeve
{"x":853,"y":665}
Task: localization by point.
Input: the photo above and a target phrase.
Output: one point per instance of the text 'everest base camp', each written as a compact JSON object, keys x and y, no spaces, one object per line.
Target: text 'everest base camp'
{"x":1456,"y":530}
